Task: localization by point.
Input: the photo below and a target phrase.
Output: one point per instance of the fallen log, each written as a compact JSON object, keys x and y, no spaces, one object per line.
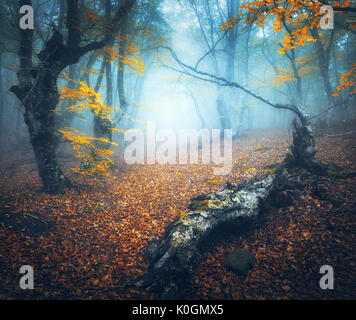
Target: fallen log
{"x":173,"y":258}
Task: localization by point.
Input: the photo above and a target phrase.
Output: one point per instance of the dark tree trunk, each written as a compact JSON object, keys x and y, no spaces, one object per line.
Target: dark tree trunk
{"x":121,"y":72}
{"x":324,"y":63}
{"x":40,"y":102}
{"x":223,"y":102}
{"x":102,"y":126}
{"x":38,"y":93}
{"x":41,"y":128}
{"x":61,"y":12}
{"x":37,"y":88}
{"x":109,"y":94}
{"x":223,"y":111}
{"x":299,"y":100}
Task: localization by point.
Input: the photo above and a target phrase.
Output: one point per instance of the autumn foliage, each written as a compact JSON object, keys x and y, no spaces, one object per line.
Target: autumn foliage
{"x":95,"y":152}
{"x":301,"y":17}
{"x":347,"y":81}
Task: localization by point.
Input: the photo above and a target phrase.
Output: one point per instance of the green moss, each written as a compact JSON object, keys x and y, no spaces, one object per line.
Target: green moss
{"x":203,"y":205}
{"x":199,"y":205}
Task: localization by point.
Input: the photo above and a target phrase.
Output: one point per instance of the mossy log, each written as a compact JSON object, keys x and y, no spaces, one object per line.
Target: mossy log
{"x":174,"y":258}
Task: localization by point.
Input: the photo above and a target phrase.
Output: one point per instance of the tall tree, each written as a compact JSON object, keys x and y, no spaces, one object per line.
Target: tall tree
{"x":37,"y":87}
{"x":323,"y":54}
{"x":210,"y":16}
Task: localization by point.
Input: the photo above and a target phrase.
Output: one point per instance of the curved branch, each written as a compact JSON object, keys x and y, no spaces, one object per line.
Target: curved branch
{"x":202,"y":75}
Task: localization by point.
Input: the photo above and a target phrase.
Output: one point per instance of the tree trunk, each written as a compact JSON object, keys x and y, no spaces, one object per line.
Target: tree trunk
{"x":37,"y":88}
{"x":102,"y":126}
{"x":299,"y":100}
{"x":121,"y":72}
{"x":109,"y":95}
{"x":223,"y":110}
{"x":224,"y":104}
{"x":38,"y":93}
{"x":40,"y":118}
{"x":292,"y":58}
{"x":324,"y":62}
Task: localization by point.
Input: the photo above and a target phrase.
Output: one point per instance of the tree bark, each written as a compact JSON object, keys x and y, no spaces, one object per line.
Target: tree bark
{"x":37,"y":88}
{"x":102,"y":126}
{"x":324,"y":62}
{"x":40,"y":102}
{"x":109,"y":93}
{"x":121,"y":72}
{"x":38,"y":93}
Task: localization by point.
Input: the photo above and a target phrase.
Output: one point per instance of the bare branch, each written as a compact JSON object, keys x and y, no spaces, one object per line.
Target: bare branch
{"x":191,"y":71}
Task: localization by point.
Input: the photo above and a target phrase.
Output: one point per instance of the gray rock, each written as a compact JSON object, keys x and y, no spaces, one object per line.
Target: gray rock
{"x":240,"y":261}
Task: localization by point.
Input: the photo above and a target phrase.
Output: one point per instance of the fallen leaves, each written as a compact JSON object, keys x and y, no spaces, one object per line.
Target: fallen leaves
{"x":95,"y":233}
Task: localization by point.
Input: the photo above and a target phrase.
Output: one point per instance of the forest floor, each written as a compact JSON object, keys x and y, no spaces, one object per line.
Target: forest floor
{"x":86,"y":244}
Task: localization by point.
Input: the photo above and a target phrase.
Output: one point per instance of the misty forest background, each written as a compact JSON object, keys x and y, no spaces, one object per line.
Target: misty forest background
{"x":93,"y":226}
